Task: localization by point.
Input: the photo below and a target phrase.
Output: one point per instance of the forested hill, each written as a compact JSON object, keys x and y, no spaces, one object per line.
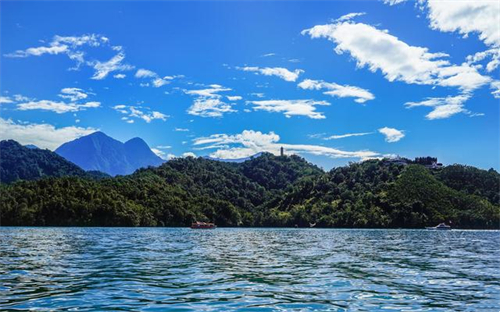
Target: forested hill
{"x":18,"y":162}
{"x":265,"y":191}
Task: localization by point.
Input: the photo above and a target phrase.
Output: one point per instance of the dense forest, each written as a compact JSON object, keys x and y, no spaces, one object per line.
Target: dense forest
{"x":264,"y":191}
{"x":19,"y":162}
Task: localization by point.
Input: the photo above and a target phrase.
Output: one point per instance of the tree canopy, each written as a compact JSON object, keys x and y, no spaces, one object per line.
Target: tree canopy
{"x":264,"y":191}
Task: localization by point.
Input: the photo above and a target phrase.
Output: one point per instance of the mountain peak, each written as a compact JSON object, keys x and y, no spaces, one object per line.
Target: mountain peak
{"x":98,"y":151}
{"x":136,"y":141}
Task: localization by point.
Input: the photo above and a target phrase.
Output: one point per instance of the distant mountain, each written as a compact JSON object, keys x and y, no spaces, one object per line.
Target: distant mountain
{"x":234,"y":160}
{"x":97,"y":151}
{"x":31,"y":146}
{"x":19,"y":162}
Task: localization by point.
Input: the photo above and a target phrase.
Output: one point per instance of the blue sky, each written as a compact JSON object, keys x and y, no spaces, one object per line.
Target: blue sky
{"x":332,"y":81}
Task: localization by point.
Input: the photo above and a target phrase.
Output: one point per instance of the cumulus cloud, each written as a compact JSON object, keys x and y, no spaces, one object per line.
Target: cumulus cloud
{"x":57,"y":107}
{"x":347,"y":135}
{"x":139,"y":113}
{"x":291,"y":107}
{"x":251,"y":142}
{"x":443,"y":107}
{"x":470,"y":17}
{"x":466,"y":17}
{"x":280,"y":72}
{"x":208,"y":102}
{"x":41,"y":135}
{"x":391,"y":134}
{"x":336,"y":90}
{"x":479,"y":17}
{"x":398,"y":61}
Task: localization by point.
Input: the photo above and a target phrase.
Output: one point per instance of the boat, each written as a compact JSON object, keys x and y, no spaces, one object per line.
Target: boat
{"x":203,"y":225}
{"x":440,"y":226}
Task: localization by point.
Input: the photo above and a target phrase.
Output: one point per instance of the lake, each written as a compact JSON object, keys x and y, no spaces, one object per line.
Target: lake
{"x":158,"y":269}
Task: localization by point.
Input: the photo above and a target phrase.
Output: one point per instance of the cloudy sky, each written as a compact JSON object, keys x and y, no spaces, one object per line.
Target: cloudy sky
{"x":332,"y":81}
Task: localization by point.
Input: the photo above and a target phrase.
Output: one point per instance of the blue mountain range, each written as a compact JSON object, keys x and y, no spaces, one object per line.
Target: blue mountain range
{"x":97,"y":151}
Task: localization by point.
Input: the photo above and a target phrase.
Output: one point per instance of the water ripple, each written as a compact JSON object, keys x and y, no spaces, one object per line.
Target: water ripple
{"x":96,"y":269}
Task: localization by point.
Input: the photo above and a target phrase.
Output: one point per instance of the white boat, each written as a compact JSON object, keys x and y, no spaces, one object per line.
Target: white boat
{"x":440,"y":226}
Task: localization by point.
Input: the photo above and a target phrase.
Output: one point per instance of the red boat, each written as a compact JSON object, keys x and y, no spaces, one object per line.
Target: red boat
{"x":203,"y":225}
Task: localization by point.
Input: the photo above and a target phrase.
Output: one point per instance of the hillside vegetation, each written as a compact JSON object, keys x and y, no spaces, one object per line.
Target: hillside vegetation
{"x":265,"y":191}
{"x":19,"y":162}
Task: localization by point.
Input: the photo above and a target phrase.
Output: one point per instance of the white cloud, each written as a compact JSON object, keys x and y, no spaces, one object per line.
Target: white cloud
{"x":181,"y":130}
{"x":61,"y":44}
{"x":250,"y":142}
{"x":156,"y":80}
{"x":38,"y":51}
{"x":291,"y":107}
{"x":57,"y":107}
{"x":162,"y":154}
{"x":466,"y":17}
{"x":5,"y":100}
{"x":211,"y":92}
{"x":21,"y":98}
{"x":206,"y":107}
{"x":208,"y":102}
{"x":470,"y":17}
{"x":71,"y":46}
{"x":73,"y":94}
{"x":398,"y":61}
{"x":349,"y":16}
{"x":120,"y":76}
{"x":259,"y":95}
{"x":280,"y":72}
{"x":102,"y":69}
{"x":495,"y":85}
{"x":234,"y":98}
{"x":138,"y":112}
{"x":336,"y":90}
{"x":392,"y":135}
{"x":189,"y":154}
{"x":41,"y":135}
{"x":443,"y":107}
{"x":347,"y":135}
{"x":269,"y":54}
{"x":145,"y":73}
{"x":164,"y":147}
{"x":394,"y":2}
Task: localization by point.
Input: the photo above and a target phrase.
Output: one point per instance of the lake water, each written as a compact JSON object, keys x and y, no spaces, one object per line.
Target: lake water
{"x":158,"y":269}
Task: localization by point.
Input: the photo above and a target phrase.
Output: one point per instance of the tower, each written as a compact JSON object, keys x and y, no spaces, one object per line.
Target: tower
{"x":282,"y":151}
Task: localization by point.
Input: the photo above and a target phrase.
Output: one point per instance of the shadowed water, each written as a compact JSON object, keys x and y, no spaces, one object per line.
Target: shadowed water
{"x":158,"y":269}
